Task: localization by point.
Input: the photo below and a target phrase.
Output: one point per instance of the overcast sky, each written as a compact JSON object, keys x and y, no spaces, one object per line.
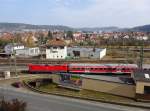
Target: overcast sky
{"x":77,"y":13}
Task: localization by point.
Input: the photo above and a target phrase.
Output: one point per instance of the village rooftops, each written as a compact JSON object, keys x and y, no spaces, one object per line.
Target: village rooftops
{"x":56,"y":42}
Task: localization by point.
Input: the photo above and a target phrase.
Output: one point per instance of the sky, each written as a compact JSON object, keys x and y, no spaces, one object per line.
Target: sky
{"x":77,"y":13}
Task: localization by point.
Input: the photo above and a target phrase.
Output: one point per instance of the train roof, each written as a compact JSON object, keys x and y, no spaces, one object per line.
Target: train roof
{"x":104,"y":65}
{"x":48,"y":64}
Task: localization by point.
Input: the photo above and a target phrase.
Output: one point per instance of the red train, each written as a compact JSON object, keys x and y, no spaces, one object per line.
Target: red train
{"x":84,"y":68}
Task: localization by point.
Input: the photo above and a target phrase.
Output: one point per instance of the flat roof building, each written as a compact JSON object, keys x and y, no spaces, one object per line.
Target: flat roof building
{"x":142,"y":80}
{"x":90,"y":53}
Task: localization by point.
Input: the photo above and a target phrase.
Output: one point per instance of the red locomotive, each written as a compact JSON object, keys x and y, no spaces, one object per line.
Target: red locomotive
{"x":84,"y":68}
{"x":37,"y":68}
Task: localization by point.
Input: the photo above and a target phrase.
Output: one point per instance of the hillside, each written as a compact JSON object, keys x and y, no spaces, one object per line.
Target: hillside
{"x":21,"y":27}
{"x":144,"y":28}
{"x":27,"y":27}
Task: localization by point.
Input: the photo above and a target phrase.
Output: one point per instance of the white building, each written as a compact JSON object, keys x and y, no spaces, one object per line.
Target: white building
{"x":10,"y":48}
{"x":56,"y":49}
{"x":90,"y":53}
{"x":21,"y":51}
{"x":28,"y":52}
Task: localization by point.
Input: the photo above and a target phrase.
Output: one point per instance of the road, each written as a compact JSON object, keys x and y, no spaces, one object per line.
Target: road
{"x":40,"y":102}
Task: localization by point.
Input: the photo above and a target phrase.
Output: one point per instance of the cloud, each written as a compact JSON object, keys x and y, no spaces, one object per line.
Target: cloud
{"x":107,"y":12}
{"x":77,"y":13}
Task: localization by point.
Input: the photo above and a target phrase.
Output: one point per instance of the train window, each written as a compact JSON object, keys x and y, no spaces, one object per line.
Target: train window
{"x":114,"y":69}
{"x":73,"y":68}
{"x":109,"y":68}
{"x":123,"y":68}
{"x":128,"y":69}
{"x":78,"y":69}
{"x":82,"y":68}
{"x":91,"y":68}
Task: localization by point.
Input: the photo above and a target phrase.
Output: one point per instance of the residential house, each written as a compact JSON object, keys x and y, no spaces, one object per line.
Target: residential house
{"x":56,"y":49}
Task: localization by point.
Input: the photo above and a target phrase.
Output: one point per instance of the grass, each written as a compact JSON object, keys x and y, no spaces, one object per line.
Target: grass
{"x":53,"y":88}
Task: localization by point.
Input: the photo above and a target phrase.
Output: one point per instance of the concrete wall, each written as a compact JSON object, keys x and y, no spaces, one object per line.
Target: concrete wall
{"x":109,"y":87}
{"x":55,"y":78}
{"x":140,"y":87}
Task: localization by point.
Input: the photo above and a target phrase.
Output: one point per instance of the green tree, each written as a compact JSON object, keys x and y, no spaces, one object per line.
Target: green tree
{"x":69,"y":34}
{"x":50,"y":35}
{"x":41,"y":39}
{"x":3,"y":43}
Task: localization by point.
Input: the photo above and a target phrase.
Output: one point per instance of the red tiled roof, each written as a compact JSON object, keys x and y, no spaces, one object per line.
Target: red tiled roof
{"x":56,"y":42}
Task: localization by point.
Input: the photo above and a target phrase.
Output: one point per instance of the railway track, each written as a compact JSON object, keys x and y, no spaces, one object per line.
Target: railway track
{"x":44,"y":61}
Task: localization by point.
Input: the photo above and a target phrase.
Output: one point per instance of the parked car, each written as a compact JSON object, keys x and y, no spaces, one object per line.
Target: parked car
{"x":17,"y":84}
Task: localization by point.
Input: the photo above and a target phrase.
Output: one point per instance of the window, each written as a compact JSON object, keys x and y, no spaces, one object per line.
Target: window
{"x":92,"y":68}
{"x":54,"y":47}
{"x":31,"y":51}
{"x":146,"y":89}
{"x":62,"y":47}
{"x":114,"y":69}
{"x":123,"y":68}
{"x":82,"y":69}
{"x":36,"y":50}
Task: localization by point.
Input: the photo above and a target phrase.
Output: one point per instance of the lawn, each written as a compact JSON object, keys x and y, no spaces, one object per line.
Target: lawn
{"x":53,"y":88}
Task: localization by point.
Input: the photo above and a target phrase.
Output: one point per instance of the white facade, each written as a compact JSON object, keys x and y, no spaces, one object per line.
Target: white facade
{"x":102,"y":53}
{"x":90,"y":53}
{"x":56,"y":52}
{"x":28,"y":52}
{"x":10,"y":48}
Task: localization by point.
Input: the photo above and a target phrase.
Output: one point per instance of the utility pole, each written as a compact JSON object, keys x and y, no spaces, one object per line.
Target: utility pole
{"x":125,"y":50}
{"x":141,"y":55}
{"x":14,"y":57}
{"x":15,"y":63}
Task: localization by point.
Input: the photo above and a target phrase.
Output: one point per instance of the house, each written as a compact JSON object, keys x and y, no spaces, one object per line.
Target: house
{"x":56,"y":49}
{"x":10,"y":48}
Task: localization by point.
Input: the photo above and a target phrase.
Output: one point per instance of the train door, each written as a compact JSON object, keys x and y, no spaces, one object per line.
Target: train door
{"x":87,"y":70}
{"x":118,"y":70}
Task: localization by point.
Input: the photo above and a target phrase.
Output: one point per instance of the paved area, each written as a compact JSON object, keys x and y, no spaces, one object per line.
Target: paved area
{"x":40,"y":102}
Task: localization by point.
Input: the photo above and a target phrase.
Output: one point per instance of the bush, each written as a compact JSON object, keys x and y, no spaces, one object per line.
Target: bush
{"x":14,"y":105}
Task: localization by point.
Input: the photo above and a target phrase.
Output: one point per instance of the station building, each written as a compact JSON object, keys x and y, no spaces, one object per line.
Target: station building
{"x":142,"y":80}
